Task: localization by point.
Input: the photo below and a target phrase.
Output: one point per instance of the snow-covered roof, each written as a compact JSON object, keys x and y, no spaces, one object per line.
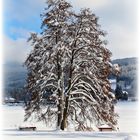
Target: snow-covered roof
{"x":104,"y":126}
{"x":9,"y":99}
{"x":112,"y":80}
{"x":125,"y":92}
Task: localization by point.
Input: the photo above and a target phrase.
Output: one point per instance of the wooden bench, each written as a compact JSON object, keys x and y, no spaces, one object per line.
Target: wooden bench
{"x":31,"y":128}
{"x":105,"y":128}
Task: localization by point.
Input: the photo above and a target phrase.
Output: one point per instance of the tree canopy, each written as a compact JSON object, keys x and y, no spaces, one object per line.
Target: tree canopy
{"x":70,"y":59}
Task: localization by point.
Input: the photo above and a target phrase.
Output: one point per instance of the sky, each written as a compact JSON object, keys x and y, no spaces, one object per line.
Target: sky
{"x":119,"y":18}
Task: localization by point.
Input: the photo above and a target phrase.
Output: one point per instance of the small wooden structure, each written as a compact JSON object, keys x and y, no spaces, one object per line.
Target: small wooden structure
{"x":105,"y":128}
{"x":27,"y":128}
{"x":9,"y":100}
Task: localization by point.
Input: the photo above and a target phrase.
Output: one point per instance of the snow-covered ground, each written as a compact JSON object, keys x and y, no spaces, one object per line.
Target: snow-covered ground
{"x":13,"y":118}
{"x":128,"y":116}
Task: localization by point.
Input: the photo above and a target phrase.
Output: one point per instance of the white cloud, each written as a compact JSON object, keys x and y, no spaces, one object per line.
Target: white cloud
{"x":90,"y":3}
{"x":26,"y":9}
{"x":15,"y":50}
{"x":118,"y":18}
{"x":122,"y":42}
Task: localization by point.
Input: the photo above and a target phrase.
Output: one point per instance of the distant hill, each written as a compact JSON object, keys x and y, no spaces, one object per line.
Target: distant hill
{"x":126,"y":61}
{"x":128,"y":67}
{"x":15,"y":75}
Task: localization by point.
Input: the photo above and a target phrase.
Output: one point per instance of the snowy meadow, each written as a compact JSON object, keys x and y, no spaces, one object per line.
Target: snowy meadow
{"x":67,"y":81}
{"x":13,"y":117}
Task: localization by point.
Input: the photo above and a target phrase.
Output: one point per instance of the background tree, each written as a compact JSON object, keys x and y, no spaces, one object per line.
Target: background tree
{"x":125,"y":95}
{"x":70,"y":59}
{"x":118,"y":92}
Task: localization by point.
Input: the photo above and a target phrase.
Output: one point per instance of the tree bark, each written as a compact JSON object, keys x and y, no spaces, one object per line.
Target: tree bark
{"x":65,"y":113}
{"x":60,"y":95}
{"x":59,"y":117}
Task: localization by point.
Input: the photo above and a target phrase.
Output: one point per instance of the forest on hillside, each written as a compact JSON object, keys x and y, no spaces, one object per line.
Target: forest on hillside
{"x":128,"y":75}
{"x":15,"y":78}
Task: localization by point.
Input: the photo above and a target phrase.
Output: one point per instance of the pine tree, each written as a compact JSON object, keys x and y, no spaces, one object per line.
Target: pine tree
{"x":71,"y":60}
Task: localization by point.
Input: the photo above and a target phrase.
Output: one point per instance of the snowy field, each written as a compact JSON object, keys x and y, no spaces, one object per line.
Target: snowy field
{"x":13,"y":118}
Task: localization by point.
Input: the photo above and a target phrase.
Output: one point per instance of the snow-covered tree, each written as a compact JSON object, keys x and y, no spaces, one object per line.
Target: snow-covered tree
{"x":47,"y":59}
{"x":88,"y":90}
{"x":71,"y":60}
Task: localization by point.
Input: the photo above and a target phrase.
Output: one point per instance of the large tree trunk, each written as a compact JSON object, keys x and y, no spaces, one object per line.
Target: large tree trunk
{"x":59,"y":116}
{"x":64,"y":121}
{"x":59,"y":107}
{"x":65,"y":113}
